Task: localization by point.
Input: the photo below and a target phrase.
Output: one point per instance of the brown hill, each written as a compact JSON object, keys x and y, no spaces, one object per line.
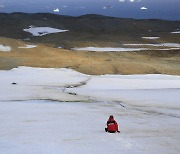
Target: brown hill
{"x":89,"y":30}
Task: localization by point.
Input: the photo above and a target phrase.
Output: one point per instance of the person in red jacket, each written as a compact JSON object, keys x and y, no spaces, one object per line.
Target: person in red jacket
{"x":112,"y":125}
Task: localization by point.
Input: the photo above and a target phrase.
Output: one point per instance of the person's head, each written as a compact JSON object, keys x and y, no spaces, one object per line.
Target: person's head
{"x":111,"y":117}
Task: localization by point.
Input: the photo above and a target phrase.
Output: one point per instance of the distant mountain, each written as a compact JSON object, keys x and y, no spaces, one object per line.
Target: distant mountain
{"x":90,"y":27}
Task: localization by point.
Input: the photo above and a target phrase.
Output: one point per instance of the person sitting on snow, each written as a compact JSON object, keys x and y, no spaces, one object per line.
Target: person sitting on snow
{"x":112,"y":125}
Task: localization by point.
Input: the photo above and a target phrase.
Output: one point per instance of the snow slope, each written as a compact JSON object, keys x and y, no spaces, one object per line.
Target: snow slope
{"x":141,"y":90}
{"x":35,"y":119}
{"x":40,"y":83}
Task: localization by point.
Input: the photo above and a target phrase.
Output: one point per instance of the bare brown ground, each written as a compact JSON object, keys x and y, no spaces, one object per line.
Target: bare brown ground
{"x":145,"y":62}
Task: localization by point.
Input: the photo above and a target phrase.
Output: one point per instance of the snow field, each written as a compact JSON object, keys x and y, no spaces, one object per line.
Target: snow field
{"x":162,"y":46}
{"x":54,"y":127}
{"x":63,"y":111}
{"x":39,"y":83}
{"x":138,"y":90}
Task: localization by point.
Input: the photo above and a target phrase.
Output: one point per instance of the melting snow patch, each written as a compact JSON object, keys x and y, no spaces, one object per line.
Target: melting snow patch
{"x":177,"y":32}
{"x":169,"y":49}
{"x":157,"y":45}
{"x":5,"y":48}
{"x":151,"y":38}
{"x":110,"y":49}
{"x":98,"y":49}
{"x":40,"y":31}
{"x":29,"y":46}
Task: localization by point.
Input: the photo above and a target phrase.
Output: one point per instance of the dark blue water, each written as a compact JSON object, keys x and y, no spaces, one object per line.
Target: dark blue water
{"x":140,"y":9}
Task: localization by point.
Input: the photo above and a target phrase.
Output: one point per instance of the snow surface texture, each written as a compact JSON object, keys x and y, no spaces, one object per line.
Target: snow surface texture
{"x":40,"y":31}
{"x":5,"y":48}
{"x":28,"y":46}
{"x":145,"y":106}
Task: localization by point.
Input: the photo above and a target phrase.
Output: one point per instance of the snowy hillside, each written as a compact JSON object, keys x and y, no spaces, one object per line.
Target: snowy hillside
{"x":63,"y":111}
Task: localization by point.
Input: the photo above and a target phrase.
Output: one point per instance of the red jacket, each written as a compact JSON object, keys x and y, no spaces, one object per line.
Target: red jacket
{"x":112,"y":125}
